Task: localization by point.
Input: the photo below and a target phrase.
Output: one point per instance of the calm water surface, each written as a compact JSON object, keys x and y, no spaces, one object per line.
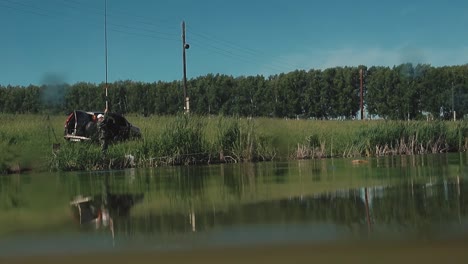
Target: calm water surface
{"x":275,"y":203}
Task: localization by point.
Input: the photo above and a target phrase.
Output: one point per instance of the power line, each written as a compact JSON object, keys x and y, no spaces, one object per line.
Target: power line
{"x":239,"y":56}
{"x":221,"y":51}
{"x":245,"y":50}
{"x":142,"y":35}
{"x":224,"y":43}
{"x":57,"y":15}
{"x":23,"y":10}
{"x":117,"y":12}
{"x":202,"y":41}
{"x":138,"y":19}
{"x":143,"y":29}
{"x":229,"y":54}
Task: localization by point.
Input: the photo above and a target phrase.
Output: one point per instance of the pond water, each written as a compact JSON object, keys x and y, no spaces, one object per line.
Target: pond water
{"x":403,"y":198}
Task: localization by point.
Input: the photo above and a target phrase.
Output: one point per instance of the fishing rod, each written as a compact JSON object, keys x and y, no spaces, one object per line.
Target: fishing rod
{"x":105,"y":48}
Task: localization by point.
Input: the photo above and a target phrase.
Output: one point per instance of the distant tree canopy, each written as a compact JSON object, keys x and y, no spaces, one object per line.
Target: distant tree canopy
{"x":404,"y":91}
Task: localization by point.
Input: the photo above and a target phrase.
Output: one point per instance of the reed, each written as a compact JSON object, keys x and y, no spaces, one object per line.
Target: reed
{"x":379,"y":138}
{"x":184,"y":140}
{"x":410,"y":138}
{"x":240,"y":140}
{"x":26,"y":141}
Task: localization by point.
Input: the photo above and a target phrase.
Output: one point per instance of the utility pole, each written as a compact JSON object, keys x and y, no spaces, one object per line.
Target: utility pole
{"x":361,"y":93}
{"x":184,"y":47}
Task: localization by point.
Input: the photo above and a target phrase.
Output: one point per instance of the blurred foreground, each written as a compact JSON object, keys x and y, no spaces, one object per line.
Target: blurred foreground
{"x":451,"y":251}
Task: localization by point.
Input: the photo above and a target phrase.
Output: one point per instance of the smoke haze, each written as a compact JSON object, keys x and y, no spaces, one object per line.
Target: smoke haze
{"x":53,"y":89}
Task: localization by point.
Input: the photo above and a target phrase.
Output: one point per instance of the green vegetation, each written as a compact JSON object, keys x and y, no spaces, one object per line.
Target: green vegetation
{"x":31,"y":202}
{"x":251,"y":129}
{"x":402,"y":92}
{"x":27,"y":141}
{"x":173,"y":141}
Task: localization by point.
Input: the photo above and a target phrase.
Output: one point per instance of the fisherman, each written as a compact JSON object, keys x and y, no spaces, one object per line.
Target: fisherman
{"x":103,"y":131}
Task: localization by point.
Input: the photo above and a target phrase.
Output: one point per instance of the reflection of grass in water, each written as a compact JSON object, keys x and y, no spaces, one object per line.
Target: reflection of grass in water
{"x":254,"y":183}
{"x":32,"y":203}
{"x":39,"y":202}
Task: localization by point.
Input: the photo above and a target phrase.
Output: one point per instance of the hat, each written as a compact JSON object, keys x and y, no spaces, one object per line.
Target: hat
{"x":100,"y":115}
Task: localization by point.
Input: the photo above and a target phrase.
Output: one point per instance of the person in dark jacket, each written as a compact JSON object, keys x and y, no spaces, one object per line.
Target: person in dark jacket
{"x":103,"y":131}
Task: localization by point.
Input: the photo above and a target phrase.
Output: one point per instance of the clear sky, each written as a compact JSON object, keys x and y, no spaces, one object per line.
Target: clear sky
{"x":45,"y":41}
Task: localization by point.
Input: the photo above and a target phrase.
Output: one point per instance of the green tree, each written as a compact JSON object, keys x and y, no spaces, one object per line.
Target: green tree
{"x":312,"y":94}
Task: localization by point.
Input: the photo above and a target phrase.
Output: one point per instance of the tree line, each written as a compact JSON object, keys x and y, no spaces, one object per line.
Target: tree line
{"x":400,"y":92}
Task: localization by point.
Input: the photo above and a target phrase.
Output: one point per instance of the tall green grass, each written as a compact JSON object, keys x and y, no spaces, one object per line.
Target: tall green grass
{"x":183,"y":140}
{"x":409,"y":138}
{"x":26,"y":141}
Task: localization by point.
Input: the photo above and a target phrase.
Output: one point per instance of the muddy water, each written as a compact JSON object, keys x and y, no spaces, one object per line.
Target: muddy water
{"x":295,"y":208}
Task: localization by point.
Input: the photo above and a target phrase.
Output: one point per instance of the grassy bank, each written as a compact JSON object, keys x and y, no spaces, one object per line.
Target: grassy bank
{"x":183,"y":140}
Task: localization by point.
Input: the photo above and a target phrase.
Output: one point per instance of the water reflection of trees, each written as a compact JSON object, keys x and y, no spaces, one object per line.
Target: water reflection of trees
{"x":188,"y":199}
{"x":198,"y":198}
{"x":418,"y":209}
{"x":421,"y":205}
{"x":11,"y":193}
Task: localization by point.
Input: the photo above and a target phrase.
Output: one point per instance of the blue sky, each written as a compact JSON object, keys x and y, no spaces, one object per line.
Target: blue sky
{"x":45,"y":41}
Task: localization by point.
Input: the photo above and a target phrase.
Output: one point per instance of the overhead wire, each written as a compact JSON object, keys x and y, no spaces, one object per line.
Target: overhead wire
{"x":230,"y":54}
{"x":31,"y":9}
{"x":138,"y":19}
{"x":244,"y":50}
{"x":15,"y":8}
{"x":203,"y":41}
{"x":115,"y":14}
